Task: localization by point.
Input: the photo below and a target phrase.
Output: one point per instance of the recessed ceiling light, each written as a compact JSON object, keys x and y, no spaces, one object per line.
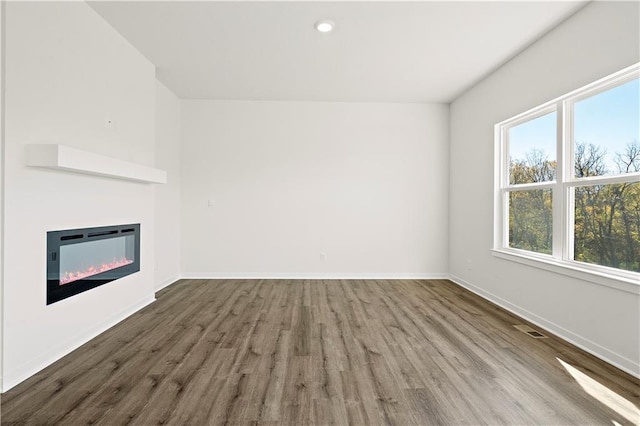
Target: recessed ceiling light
{"x":325,"y":26}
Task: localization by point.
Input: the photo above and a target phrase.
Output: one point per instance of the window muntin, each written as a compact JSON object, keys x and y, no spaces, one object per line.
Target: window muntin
{"x":543,"y":212}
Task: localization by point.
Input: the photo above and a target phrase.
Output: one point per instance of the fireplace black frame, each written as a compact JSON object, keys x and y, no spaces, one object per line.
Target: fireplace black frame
{"x":58,"y":239}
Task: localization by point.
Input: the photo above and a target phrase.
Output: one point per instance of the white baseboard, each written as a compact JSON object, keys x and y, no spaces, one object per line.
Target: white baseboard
{"x":587,"y":345}
{"x":166,"y":283}
{"x":34,"y":365}
{"x":314,"y":276}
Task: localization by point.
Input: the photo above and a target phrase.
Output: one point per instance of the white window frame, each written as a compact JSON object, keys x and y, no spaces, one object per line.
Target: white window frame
{"x":561,"y":258}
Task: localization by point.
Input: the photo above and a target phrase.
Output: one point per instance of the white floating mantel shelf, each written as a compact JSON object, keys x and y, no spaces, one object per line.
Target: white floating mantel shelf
{"x":62,"y":157}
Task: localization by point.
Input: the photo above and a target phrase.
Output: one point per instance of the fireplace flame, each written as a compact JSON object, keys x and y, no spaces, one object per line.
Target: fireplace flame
{"x":69,"y":277}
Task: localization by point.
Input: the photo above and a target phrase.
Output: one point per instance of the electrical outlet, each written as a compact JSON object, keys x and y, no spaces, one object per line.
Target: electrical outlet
{"x":323,"y":256}
{"x":109,"y":123}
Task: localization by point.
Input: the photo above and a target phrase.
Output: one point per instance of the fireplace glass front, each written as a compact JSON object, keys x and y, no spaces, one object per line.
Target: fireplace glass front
{"x":81,"y":259}
{"x":91,"y":258}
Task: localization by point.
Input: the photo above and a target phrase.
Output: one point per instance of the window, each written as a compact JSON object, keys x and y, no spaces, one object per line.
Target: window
{"x":568,"y":180}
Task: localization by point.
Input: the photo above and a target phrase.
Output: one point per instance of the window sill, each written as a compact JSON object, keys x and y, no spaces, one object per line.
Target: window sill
{"x":623,"y":283}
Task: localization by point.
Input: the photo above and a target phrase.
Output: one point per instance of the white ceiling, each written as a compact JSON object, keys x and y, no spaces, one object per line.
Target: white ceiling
{"x":379,"y":51}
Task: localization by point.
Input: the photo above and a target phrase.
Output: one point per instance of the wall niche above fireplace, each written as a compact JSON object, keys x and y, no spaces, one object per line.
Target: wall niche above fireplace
{"x":81,"y":259}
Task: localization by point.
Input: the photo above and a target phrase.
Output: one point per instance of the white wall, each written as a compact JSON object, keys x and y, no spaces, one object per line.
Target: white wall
{"x":167,"y":197}
{"x":2,"y":28}
{"x":364,"y":183}
{"x":66,"y":72}
{"x":600,"y":39}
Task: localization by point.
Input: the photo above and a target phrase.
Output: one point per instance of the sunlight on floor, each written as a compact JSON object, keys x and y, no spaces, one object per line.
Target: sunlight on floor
{"x":603,"y":394}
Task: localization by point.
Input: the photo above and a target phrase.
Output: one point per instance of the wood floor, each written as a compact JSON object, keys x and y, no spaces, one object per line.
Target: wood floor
{"x":296,"y":352}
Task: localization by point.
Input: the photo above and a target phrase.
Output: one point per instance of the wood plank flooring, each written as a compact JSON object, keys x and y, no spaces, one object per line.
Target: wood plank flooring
{"x":347,"y":352}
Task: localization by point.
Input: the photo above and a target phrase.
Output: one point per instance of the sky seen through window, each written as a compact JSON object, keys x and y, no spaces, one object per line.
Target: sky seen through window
{"x":609,"y":120}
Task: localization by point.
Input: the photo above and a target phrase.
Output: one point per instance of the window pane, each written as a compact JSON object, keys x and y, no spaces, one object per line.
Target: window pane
{"x":532,"y":150}
{"x":530,"y":220}
{"x":607,"y":225}
{"x":607,"y":132}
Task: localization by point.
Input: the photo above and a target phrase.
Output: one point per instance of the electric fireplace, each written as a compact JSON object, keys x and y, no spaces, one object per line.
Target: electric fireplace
{"x":81,"y":259}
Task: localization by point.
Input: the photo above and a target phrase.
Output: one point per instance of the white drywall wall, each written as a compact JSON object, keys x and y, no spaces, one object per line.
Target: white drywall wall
{"x":598,"y":40}
{"x":67,"y":71}
{"x":267,"y":187}
{"x":2,"y":38}
{"x":167,"y":197}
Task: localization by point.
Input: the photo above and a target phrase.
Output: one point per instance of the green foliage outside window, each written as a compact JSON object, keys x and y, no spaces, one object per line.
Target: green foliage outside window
{"x":606,"y":217}
{"x":531,"y":220}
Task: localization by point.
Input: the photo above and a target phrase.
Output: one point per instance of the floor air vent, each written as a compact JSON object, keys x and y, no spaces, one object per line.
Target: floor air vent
{"x":530,"y":331}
